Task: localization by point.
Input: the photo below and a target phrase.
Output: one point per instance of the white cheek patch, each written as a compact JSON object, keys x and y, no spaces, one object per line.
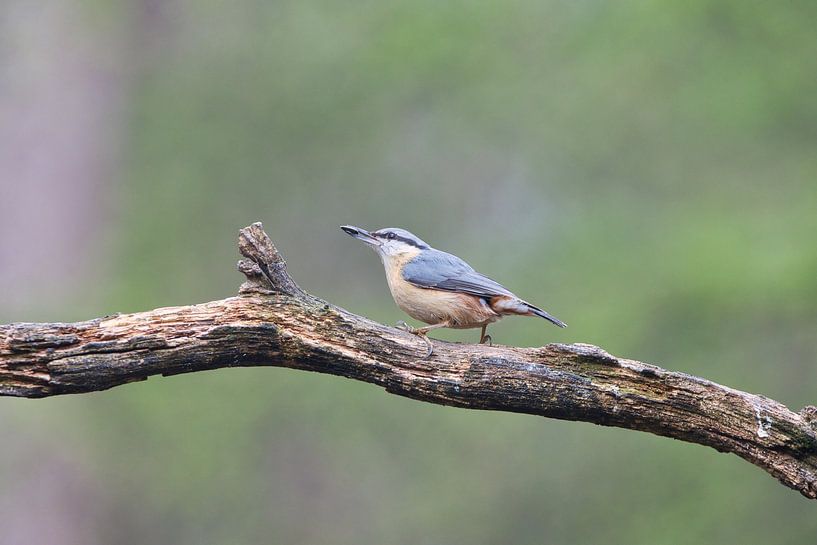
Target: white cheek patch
{"x":394,"y":248}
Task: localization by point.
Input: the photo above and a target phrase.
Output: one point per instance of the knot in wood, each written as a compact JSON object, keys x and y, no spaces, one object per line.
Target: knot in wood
{"x":809,"y":414}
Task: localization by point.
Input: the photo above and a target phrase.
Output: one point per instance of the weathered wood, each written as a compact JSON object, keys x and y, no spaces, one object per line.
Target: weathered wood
{"x":274,"y":323}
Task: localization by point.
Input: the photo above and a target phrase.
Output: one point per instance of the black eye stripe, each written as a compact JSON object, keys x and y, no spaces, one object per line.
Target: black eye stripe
{"x":410,"y":242}
{"x":394,"y":236}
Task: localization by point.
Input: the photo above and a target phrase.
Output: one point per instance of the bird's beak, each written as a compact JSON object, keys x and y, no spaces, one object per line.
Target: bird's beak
{"x":360,"y":234}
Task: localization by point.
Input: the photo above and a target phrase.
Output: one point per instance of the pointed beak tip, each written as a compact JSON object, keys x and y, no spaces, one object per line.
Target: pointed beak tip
{"x":360,"y":234}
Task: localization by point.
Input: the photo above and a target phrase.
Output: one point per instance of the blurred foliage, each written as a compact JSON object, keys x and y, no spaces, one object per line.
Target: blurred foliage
{"x":644,"y":170}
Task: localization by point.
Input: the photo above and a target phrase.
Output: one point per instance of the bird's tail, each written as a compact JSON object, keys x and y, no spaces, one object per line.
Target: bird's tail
{"x":542,"y":314}
{"x":513,"y":305}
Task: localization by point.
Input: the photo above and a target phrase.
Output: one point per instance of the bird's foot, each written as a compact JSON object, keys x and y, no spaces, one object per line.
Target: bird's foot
{"x":428,"y":344}
{"x":420,"y":332}
{"x":405,"y":327}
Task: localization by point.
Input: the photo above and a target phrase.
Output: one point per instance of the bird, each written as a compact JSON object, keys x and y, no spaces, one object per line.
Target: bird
{"x":439,"y":288}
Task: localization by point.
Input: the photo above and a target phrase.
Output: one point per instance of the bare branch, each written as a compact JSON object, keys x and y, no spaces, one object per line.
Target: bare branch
{"x":274,"y":323}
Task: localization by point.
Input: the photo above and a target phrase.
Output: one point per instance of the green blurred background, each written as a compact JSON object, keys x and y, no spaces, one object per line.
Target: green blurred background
{"x":645,"y":170}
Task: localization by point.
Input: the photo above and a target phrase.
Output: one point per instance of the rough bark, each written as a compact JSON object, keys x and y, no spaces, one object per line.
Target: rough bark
{"x":274,"y":323}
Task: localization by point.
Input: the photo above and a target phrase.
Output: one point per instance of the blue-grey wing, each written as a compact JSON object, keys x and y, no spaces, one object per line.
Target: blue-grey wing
{"x":434,"y":269}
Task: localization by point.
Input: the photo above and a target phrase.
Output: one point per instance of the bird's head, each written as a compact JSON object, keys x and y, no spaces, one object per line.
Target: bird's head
{"x":388,"y":242}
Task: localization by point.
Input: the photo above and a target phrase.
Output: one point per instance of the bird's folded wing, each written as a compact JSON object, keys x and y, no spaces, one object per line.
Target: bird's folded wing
{"x":434,"y":269}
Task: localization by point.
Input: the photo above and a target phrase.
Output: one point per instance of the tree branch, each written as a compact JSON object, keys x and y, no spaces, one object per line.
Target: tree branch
{"x":274,"y":323}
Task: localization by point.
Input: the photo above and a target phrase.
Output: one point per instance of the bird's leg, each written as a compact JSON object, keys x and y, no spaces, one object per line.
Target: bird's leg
{"x":422,"y":332}
{"x":483,"y":338}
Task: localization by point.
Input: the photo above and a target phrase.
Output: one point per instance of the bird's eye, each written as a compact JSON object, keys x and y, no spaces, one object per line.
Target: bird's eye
{"x":390,"y":236}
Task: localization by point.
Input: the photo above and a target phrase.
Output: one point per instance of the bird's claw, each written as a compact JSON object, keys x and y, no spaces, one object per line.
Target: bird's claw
{"x":420,"y":333}
{"x":430,"y":346}
{"x":487,"y":340}
{"x":404,"y":326}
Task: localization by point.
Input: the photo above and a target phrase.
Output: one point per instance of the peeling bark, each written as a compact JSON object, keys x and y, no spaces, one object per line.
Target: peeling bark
{"x":274,"y":323}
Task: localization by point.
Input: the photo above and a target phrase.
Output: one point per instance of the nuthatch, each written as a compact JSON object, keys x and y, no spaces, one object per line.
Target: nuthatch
{"x":441,"y":289}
